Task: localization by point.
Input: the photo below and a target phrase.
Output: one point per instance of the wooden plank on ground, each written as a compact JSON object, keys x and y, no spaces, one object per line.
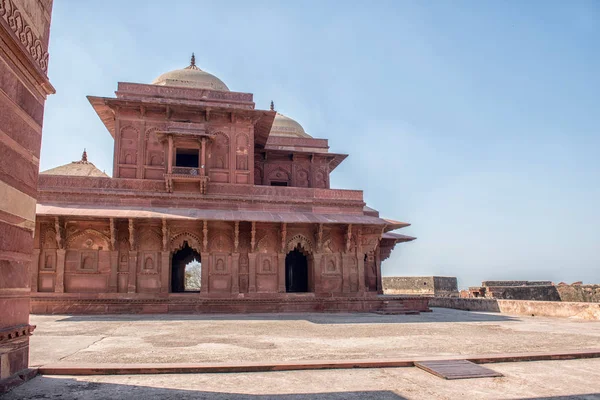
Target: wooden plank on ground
{"x":456,"y":369}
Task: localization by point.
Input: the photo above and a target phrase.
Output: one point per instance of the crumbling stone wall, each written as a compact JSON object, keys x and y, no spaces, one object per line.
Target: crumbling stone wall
{"x":516,"y":290}
{"x":584,"y":293}
{"x":440,"y":286}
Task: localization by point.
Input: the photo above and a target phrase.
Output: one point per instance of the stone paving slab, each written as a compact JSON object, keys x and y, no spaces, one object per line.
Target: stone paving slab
{"x":571,"y":379}
{"x":171,"y":368}
{"x":134,"y":339}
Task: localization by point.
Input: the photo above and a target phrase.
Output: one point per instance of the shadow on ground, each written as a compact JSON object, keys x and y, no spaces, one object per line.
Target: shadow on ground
{"x":43,"y":387}
{"x":321,"y":318}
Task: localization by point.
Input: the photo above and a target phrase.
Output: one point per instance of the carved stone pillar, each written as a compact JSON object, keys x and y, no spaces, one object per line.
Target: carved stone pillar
{"x":113,"y":284}
{"x":204,"y":272}
{"x":235,"y":269}
{"x":346,"y":264}
{"x":165,"y":272}
{"x":35,"y":269}
{"x":317,"y":272}
{"x":170,"y":155}
{"x":281,"y":273}
{"x":361,"y":268}
{"x":59,"y":283}
{"x":378,"y":269}
{"x":132,"y":283}
{"x":251,"y":272}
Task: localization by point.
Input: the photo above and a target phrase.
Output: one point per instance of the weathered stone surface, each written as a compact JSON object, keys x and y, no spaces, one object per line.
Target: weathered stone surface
{"x":579,"y":293}
{"x":586,"y":311}
{"x":438,"y":286}
{"x":24,"y":32}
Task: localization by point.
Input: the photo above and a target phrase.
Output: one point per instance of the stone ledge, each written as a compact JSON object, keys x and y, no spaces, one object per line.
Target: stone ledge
{"x":168,"y":368}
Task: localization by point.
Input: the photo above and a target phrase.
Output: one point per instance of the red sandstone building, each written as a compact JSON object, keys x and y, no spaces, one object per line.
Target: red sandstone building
{"x":200,"y":174}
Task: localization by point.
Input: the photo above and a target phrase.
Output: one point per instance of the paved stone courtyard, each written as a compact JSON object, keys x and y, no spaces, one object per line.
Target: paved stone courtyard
{"x":574,"y":379}
{"x":289,"y":337}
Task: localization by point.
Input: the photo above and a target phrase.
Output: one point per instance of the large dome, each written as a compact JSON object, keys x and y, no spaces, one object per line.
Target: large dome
{"x":285,"y":126}
{"x":192,"y":77}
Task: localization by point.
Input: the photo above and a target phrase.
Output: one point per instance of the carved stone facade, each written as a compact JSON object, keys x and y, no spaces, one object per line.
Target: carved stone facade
{"x":24,"y":85}
{"x":201,"y":176}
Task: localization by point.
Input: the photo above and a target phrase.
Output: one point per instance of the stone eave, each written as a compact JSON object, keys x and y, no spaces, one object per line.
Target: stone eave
{"x":105,"y":108}
{"x":170,"y":213}
{"x":334,"y":159}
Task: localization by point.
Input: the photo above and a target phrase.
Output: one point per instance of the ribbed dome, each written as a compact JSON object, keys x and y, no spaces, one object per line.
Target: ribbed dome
{"x":192,"y":77}
{"x":285,"y":126}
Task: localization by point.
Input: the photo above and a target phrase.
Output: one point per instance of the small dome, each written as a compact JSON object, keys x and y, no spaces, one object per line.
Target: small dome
{"x":191,"y":77}
{"x":77,"y":168}
{"x":285,"y":126}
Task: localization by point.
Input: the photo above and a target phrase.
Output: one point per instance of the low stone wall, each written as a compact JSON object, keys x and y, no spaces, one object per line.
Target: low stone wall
{"x":587,"y":293}
{"x":441,"y":286}
{"x":587,"y":311}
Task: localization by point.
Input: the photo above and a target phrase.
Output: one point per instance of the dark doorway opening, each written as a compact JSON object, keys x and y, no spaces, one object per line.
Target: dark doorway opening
{"x":296,"y":272}
{"x":275,"y":183}
{"x":186,"y":158}
{"x":185,"y":270}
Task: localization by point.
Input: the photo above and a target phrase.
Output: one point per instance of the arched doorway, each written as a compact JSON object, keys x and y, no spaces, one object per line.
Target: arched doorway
{"x":296,"y":272}
{"x":185,"y":270}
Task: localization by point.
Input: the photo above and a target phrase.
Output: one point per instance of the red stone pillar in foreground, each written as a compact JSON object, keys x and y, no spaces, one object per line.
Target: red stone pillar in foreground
{"x":24,"y":85}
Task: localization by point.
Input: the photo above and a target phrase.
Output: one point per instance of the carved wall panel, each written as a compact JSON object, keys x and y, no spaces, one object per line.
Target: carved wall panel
{"x":321,"y":178}
{"x":279,"y":175}
{"x":258,"y":173}
{"x":219,"y":241}
{"x":48,"y":260}
{"x":242,"y":152}
{"x":88,"y":239}
{"x":154,"y":149}
{"x":302,"y":178}
{"x":150,"y":238}
{"x":220,"y":273}
{"x":219,"y":152}
{"x":129,"y":145}
{"x":243,"y":272}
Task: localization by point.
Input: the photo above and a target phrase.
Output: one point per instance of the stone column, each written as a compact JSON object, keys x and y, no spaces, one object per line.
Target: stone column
{"x":235,"y":270}
{"x":113,"y":285}
{"x":59,"y":282}
{"x":170,"y":155}
{"x":165,"y":272}
{"x":346,"y":272}
{"x":251,"y":272}
{"x":317,"y":273}
{"x":281,"y":273}
{"x":35,"y":269}
{"x":133,"y":268}
{"x":203,"y":157}
{"x":378,"y":269}
{"x":204,"y":271}
{"x":361,"y":269}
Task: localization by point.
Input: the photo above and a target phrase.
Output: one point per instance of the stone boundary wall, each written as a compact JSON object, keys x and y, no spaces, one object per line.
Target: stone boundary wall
{"x":586,"y":311}
{"x":583,"y":293}
{"x":441,"y":286}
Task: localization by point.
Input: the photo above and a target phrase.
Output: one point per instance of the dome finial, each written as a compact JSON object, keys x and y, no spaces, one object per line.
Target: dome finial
{"x":84,"y":156}
{"x":193,"y":61}
{"x":272,"y":106}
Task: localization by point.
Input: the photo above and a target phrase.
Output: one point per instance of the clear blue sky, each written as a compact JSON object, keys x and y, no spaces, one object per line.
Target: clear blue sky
{"x":478,"y":122}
